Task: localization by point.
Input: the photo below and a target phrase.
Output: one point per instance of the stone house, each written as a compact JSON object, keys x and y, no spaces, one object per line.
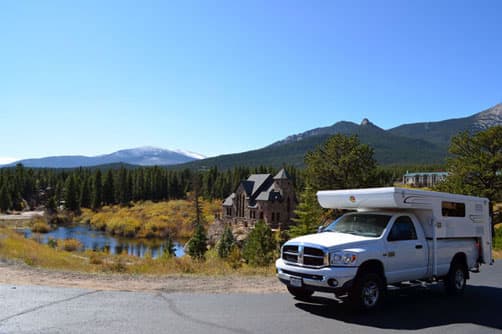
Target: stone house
{"x":261,"y":197}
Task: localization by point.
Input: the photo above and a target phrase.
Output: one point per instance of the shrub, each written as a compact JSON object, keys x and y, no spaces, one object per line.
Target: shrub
{"x":117,"y":266}
{"x":52,"y":243}
{"x":95,"y":258}
{"x":259,"y":246}
{"x":226,"y":243}
{"x":234,"y":258}
{"x":197,"y":245}
{"x":40,"y":226}
{"x":69,"y":245}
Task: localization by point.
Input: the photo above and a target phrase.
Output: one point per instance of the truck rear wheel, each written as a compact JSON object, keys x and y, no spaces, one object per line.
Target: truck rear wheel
{"x":367,"y":292}
{"x":300,"y":293}
{"x":456,"y":278}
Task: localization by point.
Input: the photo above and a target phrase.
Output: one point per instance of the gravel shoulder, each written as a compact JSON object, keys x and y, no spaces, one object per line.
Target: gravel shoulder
{"x":21,"y":274}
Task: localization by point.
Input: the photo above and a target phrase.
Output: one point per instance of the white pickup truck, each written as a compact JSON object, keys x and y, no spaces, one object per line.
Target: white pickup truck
{"x":395,"y":238}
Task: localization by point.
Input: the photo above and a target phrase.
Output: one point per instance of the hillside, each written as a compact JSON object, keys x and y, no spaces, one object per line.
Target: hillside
{"x":440,"y":133}
{"x":418,"y":143}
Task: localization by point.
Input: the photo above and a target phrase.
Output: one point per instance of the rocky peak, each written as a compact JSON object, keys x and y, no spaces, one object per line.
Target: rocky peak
{"x":488,"y":118}
{"x":366,"y":122}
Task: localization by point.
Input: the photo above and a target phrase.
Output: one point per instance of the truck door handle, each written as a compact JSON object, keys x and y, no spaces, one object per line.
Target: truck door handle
{"x":419,"y":246}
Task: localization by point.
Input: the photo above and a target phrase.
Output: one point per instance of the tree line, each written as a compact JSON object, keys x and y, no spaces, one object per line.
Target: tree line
{"x":22,"y":187}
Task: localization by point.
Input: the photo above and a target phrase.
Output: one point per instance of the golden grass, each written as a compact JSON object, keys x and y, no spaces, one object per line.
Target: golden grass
{"x":69,"y":245}
{"x":39,"y":225}
{"x":497,"y":254}
{"x":148,"y":219}
{"x":15,"y":246}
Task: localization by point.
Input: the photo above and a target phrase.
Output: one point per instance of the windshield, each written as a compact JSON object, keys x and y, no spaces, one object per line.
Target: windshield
{"x":367,"y":225}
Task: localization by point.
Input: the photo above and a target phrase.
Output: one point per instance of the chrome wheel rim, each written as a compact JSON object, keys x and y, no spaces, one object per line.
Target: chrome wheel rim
{"x":459,"y":279}
{"x":370,"y":294}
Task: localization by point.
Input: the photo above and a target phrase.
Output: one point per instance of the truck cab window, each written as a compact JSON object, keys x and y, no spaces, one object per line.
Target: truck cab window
{"x":402,"y":229}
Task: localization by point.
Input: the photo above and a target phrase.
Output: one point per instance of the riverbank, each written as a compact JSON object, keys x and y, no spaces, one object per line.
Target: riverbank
{"x":14,"y":246}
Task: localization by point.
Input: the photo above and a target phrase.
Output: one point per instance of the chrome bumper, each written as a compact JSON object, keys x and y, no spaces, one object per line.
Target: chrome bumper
{"x":322,"y":279}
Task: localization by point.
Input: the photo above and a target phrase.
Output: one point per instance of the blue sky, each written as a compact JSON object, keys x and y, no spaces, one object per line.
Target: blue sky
{"x":214,"y":77}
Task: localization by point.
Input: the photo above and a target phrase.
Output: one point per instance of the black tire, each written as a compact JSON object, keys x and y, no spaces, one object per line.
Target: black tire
{"x":368,"y":292}
{"x":456,"y":279}
{"x":300,"y":293}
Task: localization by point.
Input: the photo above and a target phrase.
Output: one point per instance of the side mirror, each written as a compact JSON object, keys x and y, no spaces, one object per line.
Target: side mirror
{"x":320,"y":229}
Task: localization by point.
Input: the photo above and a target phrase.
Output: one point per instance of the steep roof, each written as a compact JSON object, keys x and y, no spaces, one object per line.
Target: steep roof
{"x":259,"y":181}
{"x":282,"y":175}
{"x":229,"y":200}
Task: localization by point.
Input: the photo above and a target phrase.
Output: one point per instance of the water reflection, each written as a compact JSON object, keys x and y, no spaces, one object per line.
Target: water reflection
{"x":101,"y":241}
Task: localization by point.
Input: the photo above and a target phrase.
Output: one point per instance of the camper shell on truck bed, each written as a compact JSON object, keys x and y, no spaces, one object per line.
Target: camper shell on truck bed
{"x":442,"y":215}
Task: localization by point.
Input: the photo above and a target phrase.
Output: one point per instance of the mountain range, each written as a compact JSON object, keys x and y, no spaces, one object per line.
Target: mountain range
{"x":141,"y":156}
{"x":408,"y":144}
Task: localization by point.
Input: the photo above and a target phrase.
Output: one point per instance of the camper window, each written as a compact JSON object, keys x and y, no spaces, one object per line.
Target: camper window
{"x":452,"y":209}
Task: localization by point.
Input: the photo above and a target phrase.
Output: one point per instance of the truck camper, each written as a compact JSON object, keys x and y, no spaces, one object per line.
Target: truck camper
{"x":394,"y":237}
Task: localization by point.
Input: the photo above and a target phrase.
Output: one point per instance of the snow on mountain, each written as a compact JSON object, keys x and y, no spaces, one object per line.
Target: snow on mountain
{"x":142,"y":156}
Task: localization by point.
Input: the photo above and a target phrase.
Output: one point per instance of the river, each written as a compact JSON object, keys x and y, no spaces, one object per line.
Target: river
{"x":102,"y":241}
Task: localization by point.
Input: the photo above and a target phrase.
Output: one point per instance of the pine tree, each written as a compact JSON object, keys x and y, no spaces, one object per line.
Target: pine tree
{"x":5,"y":199}
{"x":71,"y":194}
{"x":123,"y":195}
{"x":309,"y":214}
{"x":51,"y":205}
{"x":197,"y":245}
{"x":259,"y":246}
{"x":97,"y":191}
{"x":341,"y":162}
{"x":227,"y":242}
{"x":85,"y":194}
{"x":169,"y":248}
{"x":109,"y":189}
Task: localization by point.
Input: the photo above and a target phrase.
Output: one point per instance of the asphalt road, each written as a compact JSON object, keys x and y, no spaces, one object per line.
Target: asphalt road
{"x":38,"y":309}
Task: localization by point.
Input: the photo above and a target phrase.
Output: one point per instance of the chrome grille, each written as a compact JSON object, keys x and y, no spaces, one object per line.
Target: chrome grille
{"x":304,"y":256}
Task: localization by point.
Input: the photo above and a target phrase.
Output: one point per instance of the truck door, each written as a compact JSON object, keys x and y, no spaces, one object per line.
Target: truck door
{"x":406,"y":255}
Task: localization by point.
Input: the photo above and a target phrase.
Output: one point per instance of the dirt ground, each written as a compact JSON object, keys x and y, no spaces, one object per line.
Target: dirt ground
{"x":20,"y":274}
{"x":25,"y":215}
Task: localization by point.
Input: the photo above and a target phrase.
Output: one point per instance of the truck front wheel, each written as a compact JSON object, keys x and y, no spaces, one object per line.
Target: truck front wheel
{"x":300,"y":293}
{"x":456,"y":278}
{"x":367,"y":291}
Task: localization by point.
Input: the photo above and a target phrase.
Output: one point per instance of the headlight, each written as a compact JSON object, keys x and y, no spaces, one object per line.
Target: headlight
{"x":342,"y":258}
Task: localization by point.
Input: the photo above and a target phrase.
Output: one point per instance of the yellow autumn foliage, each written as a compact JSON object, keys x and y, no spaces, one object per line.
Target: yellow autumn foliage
{"x":149,"y":219}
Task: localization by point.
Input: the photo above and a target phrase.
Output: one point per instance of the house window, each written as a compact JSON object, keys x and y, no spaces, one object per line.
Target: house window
{"x":261,"y":215}
{"x":273,"y":217}
{"x":278,"y":216}
{"x":241,"y":201}
{"x":252,"y":214}
{"x":229,"y":212}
